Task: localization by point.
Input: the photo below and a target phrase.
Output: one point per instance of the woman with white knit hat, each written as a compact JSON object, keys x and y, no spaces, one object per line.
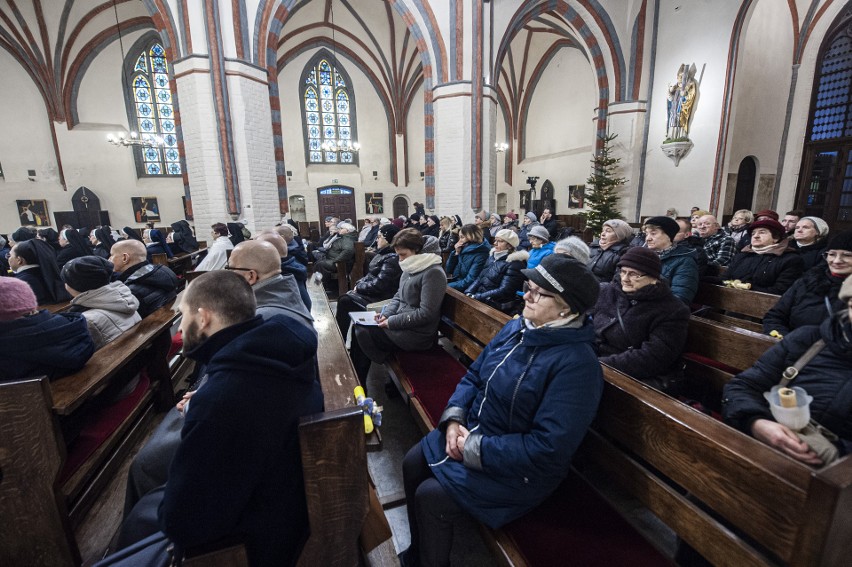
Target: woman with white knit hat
{"x":809,"y":238}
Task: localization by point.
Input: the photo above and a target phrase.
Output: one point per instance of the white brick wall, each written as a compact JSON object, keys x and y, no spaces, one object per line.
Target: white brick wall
{"x":452,"y":157}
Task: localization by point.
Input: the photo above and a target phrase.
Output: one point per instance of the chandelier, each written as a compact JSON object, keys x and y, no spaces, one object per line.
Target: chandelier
{"x":340,"y":146}
{"x":144,"y":141}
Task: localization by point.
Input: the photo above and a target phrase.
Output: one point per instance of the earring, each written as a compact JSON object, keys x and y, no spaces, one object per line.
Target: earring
{"x":563,"y":314}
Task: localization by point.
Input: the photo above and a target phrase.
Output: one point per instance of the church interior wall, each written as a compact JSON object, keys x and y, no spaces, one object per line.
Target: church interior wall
{"x":688,"y":33}
{"x":760,"y":97}
{"x":87,"y":159}
{"x":559,"y":131}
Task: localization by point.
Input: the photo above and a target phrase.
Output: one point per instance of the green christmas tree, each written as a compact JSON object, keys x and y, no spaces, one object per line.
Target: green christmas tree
{"x":602,"y":187}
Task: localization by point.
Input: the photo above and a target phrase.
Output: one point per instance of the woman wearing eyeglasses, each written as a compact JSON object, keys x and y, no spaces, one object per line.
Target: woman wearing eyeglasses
{"x":640,"y":326}
{"x":505,"y":441}
{"x":814,"y":296}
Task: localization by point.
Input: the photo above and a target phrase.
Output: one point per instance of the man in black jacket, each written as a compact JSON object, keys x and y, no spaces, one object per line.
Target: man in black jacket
{"x":153,"y":285}
{"x":237,"y":473}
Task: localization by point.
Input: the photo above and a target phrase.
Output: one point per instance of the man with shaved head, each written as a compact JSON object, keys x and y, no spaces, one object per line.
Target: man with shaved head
{"x":295,"y":244}
{"x":259,"y":263}
{"x":718,"y":245}
{"x":289,"y":265}
{"x":152,"y":284}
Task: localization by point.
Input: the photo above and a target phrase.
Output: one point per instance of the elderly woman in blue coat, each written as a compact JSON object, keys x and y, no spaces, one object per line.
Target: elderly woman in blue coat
{"x":505,"y":441}
{"x":469,"y":257}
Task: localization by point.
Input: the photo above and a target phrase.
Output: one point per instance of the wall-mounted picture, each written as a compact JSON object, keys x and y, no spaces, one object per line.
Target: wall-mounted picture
{"x":187,"y":208}
{"x":375,"y":203}
{"x":33,"y":213}
{"x":145,"y":209}
{"x":576,"y":196}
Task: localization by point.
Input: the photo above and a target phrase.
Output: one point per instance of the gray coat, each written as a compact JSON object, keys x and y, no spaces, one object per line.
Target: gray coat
{"x":279,"y":295}
{"x":109,"y":310}
{"x":414,"y":312}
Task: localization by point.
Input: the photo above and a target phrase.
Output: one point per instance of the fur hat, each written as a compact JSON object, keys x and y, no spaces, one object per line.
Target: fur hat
{"x":643,"y":260}
{"x":389,"y":231}
{"x":87,"y":273}
{"x":766,"y":213}
{"x":846,"y":289}
{"x":622,"y":230}
{"x":841,"y":241}
{"x":821,"y":226}
{"x":510,"y":236}
{"x":573,"y":247}
{"x":776,"y":228}
{"x":16,"y":299}
{"x":568,"y":278}
{"x":539,"y":232}
{"x":666,"y":224}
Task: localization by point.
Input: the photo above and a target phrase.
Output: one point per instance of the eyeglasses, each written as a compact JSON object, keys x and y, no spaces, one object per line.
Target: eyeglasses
{"x":632,"y":276}
{"x":535,"y":293}
{"x":845,"y":257}
{"x":235,"y":269}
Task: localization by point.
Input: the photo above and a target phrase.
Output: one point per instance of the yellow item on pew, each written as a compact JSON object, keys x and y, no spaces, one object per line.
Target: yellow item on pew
{"x":372,"y":411}
{"x":776,"y":334}
{"x":736,"y":284}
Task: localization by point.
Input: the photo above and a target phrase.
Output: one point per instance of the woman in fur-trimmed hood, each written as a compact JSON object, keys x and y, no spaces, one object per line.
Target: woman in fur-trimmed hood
{"x":501,"y":279}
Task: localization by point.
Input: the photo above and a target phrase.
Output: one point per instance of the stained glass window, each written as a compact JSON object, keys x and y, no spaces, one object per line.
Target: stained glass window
{"x":329,"y":112}
{"x":153,"y":111}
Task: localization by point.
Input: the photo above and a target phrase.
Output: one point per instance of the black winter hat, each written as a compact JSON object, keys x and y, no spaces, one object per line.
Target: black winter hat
{"x":645,"y":260}
{"x":841,"y":241}
{"x":389,"y":231}
{"x":87,"y":273}
{"x":568,"y":278}
{"x":666,"y":224}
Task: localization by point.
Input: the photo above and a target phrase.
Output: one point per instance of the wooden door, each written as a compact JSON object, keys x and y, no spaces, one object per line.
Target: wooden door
{"x":337,"y":201}
{"x":400,"y":206}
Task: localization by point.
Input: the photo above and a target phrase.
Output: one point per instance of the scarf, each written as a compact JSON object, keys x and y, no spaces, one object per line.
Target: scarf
{"x":419,"y":262}
{"x":777,"y":248}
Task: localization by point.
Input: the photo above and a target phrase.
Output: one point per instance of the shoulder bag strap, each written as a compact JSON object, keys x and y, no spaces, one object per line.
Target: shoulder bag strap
{"x":792,"y":371}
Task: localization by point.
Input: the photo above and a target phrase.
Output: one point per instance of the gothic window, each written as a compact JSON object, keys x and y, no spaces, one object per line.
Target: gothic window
{"x":328,"y":106}
{"x":151,"y":110}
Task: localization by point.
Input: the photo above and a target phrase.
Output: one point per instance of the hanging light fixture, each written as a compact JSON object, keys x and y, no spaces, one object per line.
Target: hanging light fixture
{"x":500,"y":147}
{"x":331,"y":145}
{"x":133,"y":138}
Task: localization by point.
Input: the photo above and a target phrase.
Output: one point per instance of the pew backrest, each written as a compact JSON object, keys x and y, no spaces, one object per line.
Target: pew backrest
{"x":469,"y":324}
{"x":746,"y":302}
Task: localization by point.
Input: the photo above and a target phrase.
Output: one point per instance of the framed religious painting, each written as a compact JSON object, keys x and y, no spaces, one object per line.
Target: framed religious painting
{"x":375,"y":203}
{"x":33,"y":213}
{"x":576,"y":196}
{"x":145,"y":209}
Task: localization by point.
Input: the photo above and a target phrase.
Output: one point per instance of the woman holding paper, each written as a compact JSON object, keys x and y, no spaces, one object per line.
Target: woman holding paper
{"x":410,"y":320}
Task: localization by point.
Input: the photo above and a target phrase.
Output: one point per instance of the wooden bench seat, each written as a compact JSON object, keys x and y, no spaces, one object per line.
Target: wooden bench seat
{"x":732,"y":498}
{"x":46,"y":488}
{"x":734,"y":307}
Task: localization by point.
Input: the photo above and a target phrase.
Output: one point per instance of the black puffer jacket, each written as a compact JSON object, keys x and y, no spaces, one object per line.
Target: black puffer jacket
{"x":501,"y":278}
{"x":769,"y":273}
{"x":826,"y":378}
{"x":603,"y":263}
{"x":153,"y":285}
{"x":447,"y":240}
{"x":650,"y":337}
{"x":811,"y":255}
{"x":804,"y":303}
{"x":382,"y":278}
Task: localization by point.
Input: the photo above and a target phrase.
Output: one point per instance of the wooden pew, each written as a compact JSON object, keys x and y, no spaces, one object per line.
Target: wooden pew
{"x":357,"y":271}
{"x":734,"y":307}
{"x":734,"y":499}
{"x":333,"y":446}
{"x":41,"y":502}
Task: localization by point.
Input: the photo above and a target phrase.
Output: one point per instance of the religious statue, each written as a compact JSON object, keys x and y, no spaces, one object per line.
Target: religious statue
{"x":680,"y":99}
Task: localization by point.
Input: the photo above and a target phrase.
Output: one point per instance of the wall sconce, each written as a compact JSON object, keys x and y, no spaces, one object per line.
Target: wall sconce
{"x":500,"y":147}
{"x":375,"y":176}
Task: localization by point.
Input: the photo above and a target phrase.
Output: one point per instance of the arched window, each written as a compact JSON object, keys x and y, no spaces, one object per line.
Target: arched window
{"x":825,"y":184}
{"x":328,"y":105}
{"x":151,"y":108}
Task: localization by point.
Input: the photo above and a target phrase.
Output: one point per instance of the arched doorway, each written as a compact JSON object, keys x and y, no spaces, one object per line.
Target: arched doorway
{"x":400,"y":206}
{"x":337,"y":201}
{"x":502,"y":204}
{"x":746,"y":178}
{"x":297,"y":208}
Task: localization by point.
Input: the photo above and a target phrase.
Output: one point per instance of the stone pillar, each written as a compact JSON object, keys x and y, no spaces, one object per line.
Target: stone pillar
{"x":451,"y":105}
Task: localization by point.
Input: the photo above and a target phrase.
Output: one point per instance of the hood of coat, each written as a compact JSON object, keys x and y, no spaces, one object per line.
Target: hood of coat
{"x":115,"y":297}
{"x":682,"y":249}
{"x":152,"y":275}
{"x":551,"y":336}
{"x":47,"y":337}
{"x":280,"y":290}
{"x":476,"y":248}
{"x":256,"y":344}
{"x":419,"y":262}
{"x":518,"y":255}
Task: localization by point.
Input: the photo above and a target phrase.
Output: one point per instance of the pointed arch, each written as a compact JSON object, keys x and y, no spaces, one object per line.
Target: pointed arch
{"x":327,"y":100}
